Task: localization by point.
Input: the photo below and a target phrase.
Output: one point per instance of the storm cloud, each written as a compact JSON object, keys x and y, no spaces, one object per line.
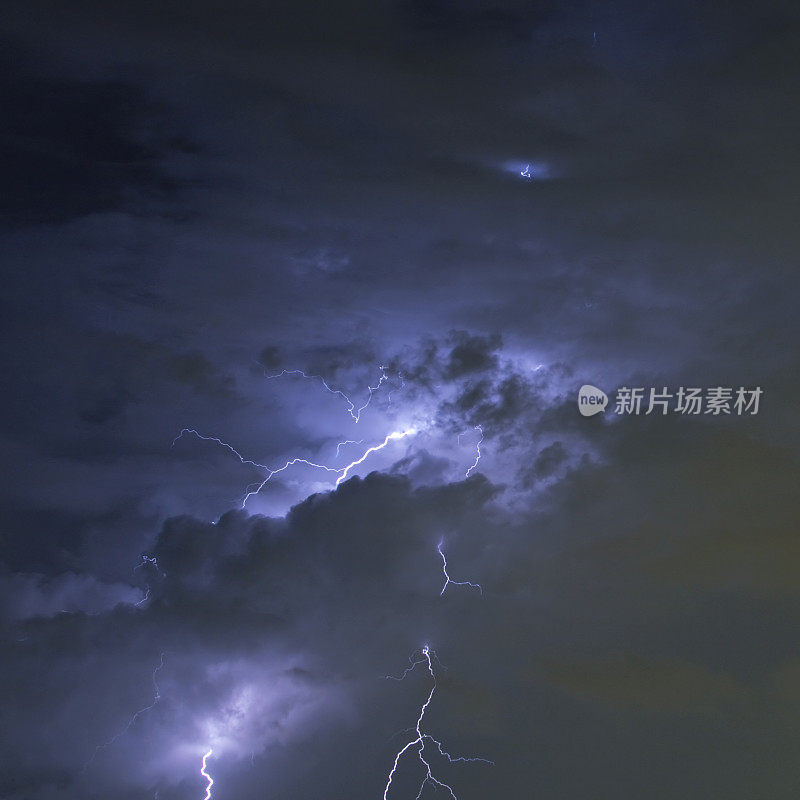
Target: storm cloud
{"x":244,"y":245}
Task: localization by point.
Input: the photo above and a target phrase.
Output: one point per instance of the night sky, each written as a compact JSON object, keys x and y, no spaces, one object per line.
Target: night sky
{"x":448,"y":216}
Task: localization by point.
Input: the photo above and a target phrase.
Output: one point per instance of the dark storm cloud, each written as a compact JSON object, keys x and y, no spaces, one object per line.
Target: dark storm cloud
{"x":334,"y":187}
{"x":633,"y":683}
{"x":249,"y":587}
{"x":72,"y":148}
{"x":472,"y":354}
{"x":318,"y":602}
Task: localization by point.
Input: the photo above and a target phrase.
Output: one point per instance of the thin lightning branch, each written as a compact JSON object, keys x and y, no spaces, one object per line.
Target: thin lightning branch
{"x":132,"y":720}
{"x":413,"y":662}
{"x":423,"y":738}
{"x":144,"y":599}
{"x":526,"y":173}
{"x":398,"y":388}
{"x":354,"y":412}
{"x":204,"y":773}
{"x":448,"y":580}
{"x":214,"y":439}
{"x":340,"y":445}
{"x":478,"y":448}
{"x":372,"y":390}
{"x":150,"y":560}
{"x":288,"y":464}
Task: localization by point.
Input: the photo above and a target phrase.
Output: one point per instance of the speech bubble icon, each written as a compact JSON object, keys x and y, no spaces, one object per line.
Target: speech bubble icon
{"x":591,"y":400}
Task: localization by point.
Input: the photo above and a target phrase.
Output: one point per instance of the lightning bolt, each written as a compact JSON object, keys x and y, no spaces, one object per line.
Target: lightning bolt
{"x":478,"y":448}
{"x":144,"y":599}
{"x":204,"y":773}
{"x":392,"y":437}
{"x":134,"y":717}
{"x":448,"y":580}
{"x":291,"y":463}
{"x":398,"y":388}
{"x":145,"y":560}
{"x":214,"y":439}
{"x":422,"y":739}
{"x":354,"y":412}
{"x":526,"y":173}
{"x":340,"y":472}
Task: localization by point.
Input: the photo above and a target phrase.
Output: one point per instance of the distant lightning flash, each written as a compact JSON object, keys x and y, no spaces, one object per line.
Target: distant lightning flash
{"x":478,"y":448}
{"x":152,"y":560}
{"x":448,"y":580}
{"x":526,"y":173}
{"x":341,"y":472}
{"x":422,"y":739}
{"x":204,"y":773}
{"x":354,"y":412}
{"x":144,"y":599}
{"x":132,"y":720}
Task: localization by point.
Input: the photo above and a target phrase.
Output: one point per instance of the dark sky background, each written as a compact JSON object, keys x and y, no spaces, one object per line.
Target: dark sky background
{"x":199,"y":195}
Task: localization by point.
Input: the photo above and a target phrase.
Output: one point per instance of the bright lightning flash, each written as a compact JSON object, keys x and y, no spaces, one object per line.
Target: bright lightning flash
{"x":340,"y":472}
{"x":422,"y":739}
{"x":392,"y":437}
{"x":204,"y":773}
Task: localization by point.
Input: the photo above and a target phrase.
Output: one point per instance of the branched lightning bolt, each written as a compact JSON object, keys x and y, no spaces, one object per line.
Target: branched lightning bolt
{"x":340,"y":472}
{"x":526,"y":173}
{"x":134,"y":717}
{"x":204,"y":773}
{"x":422,"y":738}
{"x":271,"y":472}
{"x":448,"y":580}
{"x":412,"y":663}
{"x":478,"y":448}
{"x":354,"y":412}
